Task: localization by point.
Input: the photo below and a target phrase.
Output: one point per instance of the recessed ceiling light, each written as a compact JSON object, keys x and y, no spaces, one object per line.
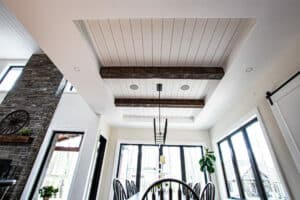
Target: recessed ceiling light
{"x":76,"y":69}
{"x":134,"y":86}
{"x":249,"y":69}
{"x":185,"y":87}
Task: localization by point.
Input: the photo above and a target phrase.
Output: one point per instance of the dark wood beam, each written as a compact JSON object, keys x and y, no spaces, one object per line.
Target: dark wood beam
{"x":59,"y":148}
{"x":162,"y":72}
{"x":168,"y":103}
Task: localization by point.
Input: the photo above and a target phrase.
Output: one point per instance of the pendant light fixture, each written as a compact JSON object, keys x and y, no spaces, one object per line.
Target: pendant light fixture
{"x":159,"y":136}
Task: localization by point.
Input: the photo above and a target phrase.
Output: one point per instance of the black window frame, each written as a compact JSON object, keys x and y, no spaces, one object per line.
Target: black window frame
{"x":257,"y":176}
{"x":139,"y":159}
{"x":8,"y":70}
{"x":46,"y":156}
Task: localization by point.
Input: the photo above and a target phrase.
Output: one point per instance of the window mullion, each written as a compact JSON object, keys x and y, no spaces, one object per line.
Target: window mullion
{"x":139,"y":167}
{"x":254,"y":167}
{"x":223,"y":169}
{"x":236,"y":170}
{"x":182,"y":161}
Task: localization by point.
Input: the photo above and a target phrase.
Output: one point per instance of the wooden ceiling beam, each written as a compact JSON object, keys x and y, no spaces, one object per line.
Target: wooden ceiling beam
{"x":168,"y":103}
{"x":215,"y":73}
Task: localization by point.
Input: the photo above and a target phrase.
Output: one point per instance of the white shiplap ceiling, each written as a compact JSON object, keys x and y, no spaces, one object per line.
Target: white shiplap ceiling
{"x":147,"y":88}
{"x":163,"y":42}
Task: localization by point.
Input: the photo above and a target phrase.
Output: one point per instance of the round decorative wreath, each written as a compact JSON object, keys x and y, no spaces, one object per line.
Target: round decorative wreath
{"x":13,"y":122}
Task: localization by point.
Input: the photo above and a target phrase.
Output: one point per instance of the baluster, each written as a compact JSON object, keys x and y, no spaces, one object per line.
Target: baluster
{"x":179,"y":192}
{"x":187,"y":197}
{"x":153,"y":194}
{"x":170,"y":192}
{"x":161,"y":192}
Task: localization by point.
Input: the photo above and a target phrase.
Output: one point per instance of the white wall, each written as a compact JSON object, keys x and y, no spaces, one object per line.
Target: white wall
{"x":141,"y":136}
{"x":277,"y":71}
{"x":73,"y":114}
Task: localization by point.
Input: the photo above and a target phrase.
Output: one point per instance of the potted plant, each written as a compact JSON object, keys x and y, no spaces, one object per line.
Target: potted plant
{"x":47,"y":192}
{"x":25,"y":132}
{"x":207,"y":163}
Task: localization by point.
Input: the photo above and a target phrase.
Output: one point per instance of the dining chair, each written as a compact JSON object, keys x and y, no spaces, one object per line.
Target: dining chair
{"x":128,"y":188}
{"x":208,"y":192}
{"x":134,"y":188}
{"x":197,"y":189}
{"x":184,"y":191}
{"x":163,"y":190}
{"x":119,"y":191}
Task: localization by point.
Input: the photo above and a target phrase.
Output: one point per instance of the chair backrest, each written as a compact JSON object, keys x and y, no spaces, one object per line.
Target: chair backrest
{"x":197,"y":188}
{"x":208,"y":192}
{"x":164,"y":189}
{"x":130,"y":188}
{"x":119,"y":191}
{"x":133,"y":187}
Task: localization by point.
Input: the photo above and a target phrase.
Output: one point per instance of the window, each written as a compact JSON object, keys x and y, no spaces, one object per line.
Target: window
{"x":69,"y":87}
{"x":172,"y":167}
{"x":150,"y":164}
{"x":9,"y":77}
{"x":128,"y":162}
{"x":248,"y":169}
{"x":141,"y":163}
{"x":58,"y":166}
{"x":192,"y":172}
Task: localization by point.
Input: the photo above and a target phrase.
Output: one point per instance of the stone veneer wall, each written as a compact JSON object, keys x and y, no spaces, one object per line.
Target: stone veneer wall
{"x":38,"y":91}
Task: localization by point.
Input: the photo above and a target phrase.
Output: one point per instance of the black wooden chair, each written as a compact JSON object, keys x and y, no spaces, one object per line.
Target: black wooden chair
{"x":208,"y":192}
{"x":119,"y":191}
{"x":129,"y":189}
{"x":134,"y":188}
{"x":163,"y":189}
{"x":197,"y":189}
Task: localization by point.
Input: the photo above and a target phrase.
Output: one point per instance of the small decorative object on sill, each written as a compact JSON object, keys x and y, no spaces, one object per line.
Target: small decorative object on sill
{"x":47,"y":192}
{"x":25,"y":132}
{"x":13,"y":122}
{"x":207,"y":163}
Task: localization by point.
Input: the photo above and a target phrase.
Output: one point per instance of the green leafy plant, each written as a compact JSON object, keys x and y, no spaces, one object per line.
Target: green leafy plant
{"x":207,"y":163}
{"x":25,"y":131}
{"x":48,"y":191}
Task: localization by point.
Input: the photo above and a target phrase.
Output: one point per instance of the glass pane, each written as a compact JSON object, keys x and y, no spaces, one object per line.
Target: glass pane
{"x":10,"y":78}
{"x":128,"y":163}
{"x":61,"y":164}
{"x":229,"y":170}
{"x":267,"y":170}
{"x":244,"y":166}
{"x":149,"y":171}
{"x":69,"y":87}
{"x":192,"y":155}
{"x":172,"y":166}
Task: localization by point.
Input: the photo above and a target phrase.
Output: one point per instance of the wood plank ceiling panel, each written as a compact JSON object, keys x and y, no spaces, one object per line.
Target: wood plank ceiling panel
{"x":164,"y":42}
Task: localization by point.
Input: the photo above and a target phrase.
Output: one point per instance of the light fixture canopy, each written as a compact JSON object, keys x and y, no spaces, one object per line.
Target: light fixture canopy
{"x":134,"y":86}
{"x":185,"y":87}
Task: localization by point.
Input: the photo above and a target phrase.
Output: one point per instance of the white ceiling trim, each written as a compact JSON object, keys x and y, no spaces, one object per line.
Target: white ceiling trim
{"x":16,"y":42}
